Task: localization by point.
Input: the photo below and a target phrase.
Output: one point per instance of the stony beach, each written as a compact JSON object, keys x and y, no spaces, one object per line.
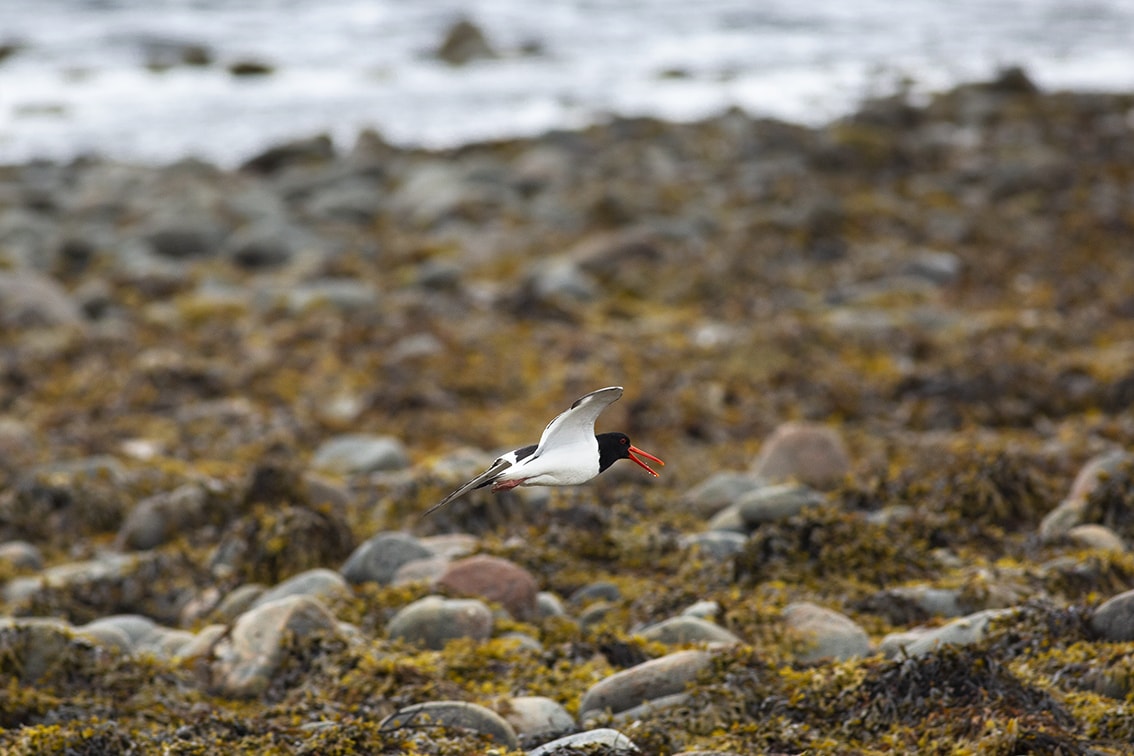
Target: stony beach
{"x":889,"y":363}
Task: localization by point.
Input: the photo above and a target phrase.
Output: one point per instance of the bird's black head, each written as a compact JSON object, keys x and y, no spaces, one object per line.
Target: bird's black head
{"x":615,"y":446}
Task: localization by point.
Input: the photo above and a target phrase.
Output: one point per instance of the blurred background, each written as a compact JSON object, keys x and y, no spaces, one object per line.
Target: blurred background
{"x":159,"y":80}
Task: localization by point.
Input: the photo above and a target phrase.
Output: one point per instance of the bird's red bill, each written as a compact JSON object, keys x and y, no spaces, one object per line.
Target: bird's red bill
{"x":635,"y":450}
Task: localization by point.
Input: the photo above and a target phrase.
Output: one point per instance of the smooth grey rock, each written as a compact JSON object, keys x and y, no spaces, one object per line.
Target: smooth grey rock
{"x":600,"y":590}
{"x":536,"y":718}
{"x":251,"y":655}
{"x":610,"y":741}
{"x":648,"y":680}
{"x":654,"y":705}
{"x":360,"y":453}
{"x":108,"y":567}
{"x":805,"y":452}
{"x":688,"y":629}
{"x":717,"y":544}
{"x":827,"y":634}
{"x":262,"y":245}
{"x":166,"y":643}
{"x":704,"y":609}
{"x":718,"y":491}
{"x":457,"y":715}
{"x":21,"y":555}
{"x":451,"y":545}
{"x":549,"y":605}
{"x":351,"y":200}
{"x":137,"y":628}
{"x":176,"y":237}
{"x":1113,"y":620}
{"x":378,"y":558}
{"x":960,"y":632}
{"x":202,"y":644}
{"x":157,"y":519}
{"x":557,"y":280}
{"x":773,"y":503}
{"x":320,"y":583}
{"x":941,"y":268}
{"x":936,"y":602}
{"x":433,"y":621}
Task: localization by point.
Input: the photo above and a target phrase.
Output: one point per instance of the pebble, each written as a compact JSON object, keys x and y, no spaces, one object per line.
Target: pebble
{"x":320,"y":583}
{"x":359,"y":454}
{"x":536,"y":718}
{"x":1070,"y":511}
{"x":805,"y":452}
{"x":378,"y":558}
{"x":428,"y":570}
{"x":459,"y":715}
{"x":605,"y":740}
{"x":493,"y":579}
{"x":826,"y":634}
{"x":772,"y":503}
{"x":248,"y":658}
{"x":729,"y":520}
{"x":600,"y":590}
{"x":434,"y":620}
{"x":1113,"y":620}
{"x":648,"y":680}
{"x":37,"y":645}
{"x":237,"y":601}
{"x":30,"y":300}
{"x":718,"y":491}
{"x":688,"y":629}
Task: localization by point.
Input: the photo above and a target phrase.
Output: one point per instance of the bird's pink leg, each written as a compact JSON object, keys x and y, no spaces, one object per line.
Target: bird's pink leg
{"x":506,"y":485}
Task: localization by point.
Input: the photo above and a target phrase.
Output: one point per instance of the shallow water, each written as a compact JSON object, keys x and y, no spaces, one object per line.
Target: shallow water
{"x":79,"y":81}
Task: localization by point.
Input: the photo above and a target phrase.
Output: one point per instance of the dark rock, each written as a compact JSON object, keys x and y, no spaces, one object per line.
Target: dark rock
{"x":464,"y":43}
{"x":378,"y":558}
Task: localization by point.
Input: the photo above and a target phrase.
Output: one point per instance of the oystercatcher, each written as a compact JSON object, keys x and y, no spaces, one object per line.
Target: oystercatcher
{"x":568,"y":452}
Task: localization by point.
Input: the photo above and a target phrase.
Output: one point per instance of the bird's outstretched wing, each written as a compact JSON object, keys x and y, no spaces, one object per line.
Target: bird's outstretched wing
{"x":486,"y":477}
{"x":578,"y":422}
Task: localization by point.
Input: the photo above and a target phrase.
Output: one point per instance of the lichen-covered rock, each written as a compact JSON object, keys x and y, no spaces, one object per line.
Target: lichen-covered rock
{"x":156,"y":519}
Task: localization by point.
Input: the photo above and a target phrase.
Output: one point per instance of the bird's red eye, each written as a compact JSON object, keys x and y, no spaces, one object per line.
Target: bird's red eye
{"x":625,"y":441}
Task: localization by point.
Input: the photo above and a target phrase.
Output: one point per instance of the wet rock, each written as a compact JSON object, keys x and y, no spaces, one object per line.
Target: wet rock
{"x":464,"y":42}
{"x":32,"y":300}
{"x":457,"y":715}
{"x":379,"y":558}
{"x":687,"y":629}
{"x":718,"y":491}
{"x":21,"y":555}
{"x":319,"y":583}
{"x":772,"y":503}
{"x":960,"y":632}
{"x":716,"y":544}
{"x":250,"y":67}
{"x":826,"y":634}
{"x":648,"y":680}
{"x":493,"y":579}
{"x":157,"y":519}
{"x":433,"y":621}
{"x":536,"y":719}
{"x":358,"y":453}
{"x":805,"y":452}
{"x":1113,"y":620}
{"x":607,"y":741}
{"x":247,"y":660}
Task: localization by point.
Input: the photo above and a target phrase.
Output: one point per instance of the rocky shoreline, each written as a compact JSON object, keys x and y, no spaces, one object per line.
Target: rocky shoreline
{"x":889,"y":363}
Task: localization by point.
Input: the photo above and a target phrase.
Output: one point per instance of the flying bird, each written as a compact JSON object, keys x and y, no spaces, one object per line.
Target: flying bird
{"x":568,"y":452}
